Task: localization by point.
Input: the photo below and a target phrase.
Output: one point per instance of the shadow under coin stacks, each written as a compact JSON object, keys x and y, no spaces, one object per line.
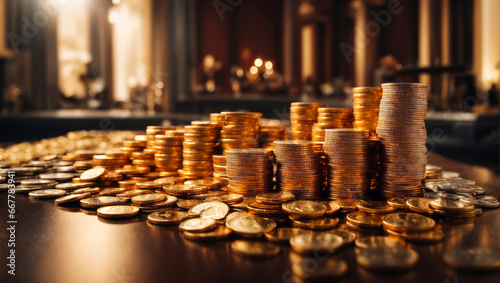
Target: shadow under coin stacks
{"x":200,"y":139}
{"x":249,"y":171}
{"x":331,"y":118}
{"x":347,"y":154}
{"x":240,"y":130}
{"x":366,"y":106}
{"x":303,"y":115}
{"x":402,"y":134}
{"x":299,"y":170}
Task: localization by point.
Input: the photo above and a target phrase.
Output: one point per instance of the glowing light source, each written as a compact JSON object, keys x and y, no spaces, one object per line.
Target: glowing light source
{"x":269,"y":65}
{"x":258,"y":62}
{"x":254,"y":70}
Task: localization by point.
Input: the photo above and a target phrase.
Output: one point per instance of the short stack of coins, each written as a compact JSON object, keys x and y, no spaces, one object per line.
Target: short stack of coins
{"x":402,"y":134}
{"x":303,"y":115}
{"x":220,"y":173}
{"x":269,"y":134}
{"x":200,"y":139}
{"x":348,"y":166}
{"x":152,"y":131}
{"x":240,"y":130}
{"x":168,"y":151}
{"x":331,"y":118}
{"x":298,"y":169}
{"x":249,"y":171}
{"x":366,"y":105}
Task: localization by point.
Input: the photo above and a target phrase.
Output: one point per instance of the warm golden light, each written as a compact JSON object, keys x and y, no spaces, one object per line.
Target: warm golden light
{"x":269,"y":65}
{"x":254,"y":70}
{"x":258,"y":62}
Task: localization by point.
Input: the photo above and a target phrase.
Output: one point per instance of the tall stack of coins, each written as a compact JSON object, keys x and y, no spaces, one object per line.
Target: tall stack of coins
{"x":331,"y":118}
{"x":168,"y":151}
{"x":250,"y":171}
{"x":240,"y":130}
{"x":269,"y":134}
{"x":298,"y":169}
{"x":220,"y":173}
{"x":366,"y":105}
{"x":318,"y":147}
{"x":402,"y":134}
{"x":198,"y":148}
{"x":303,"y":115}
{"x":348,"y":166}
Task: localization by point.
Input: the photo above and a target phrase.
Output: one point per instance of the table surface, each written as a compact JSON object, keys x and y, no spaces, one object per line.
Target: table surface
{"x":55,"y":245}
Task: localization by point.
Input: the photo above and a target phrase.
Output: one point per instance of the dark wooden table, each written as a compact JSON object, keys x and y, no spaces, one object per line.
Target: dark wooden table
{"x":53,"y":245}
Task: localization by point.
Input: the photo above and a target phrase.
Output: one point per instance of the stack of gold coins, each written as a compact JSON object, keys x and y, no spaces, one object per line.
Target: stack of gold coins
{"x":433,"y":172}
{"x":303,"y":115}
{"x":240,"y":130}
{"x":331,"y":118}
{"x":220,"y":173}
{"x":111,"y":159}
{"x":318,"y":147}
{"x":143,"y":159}
{"x":168,"y":151}
{"x":402,"y":134}
{"x":200,"y":139}
{"x":269,"y":134}
{"x":151,"y":132}
{"x":366,"y":105}
{"x":132,"y":146}
{"x":348,"y":163}
{"x":298,"y":169}
{"x":217,"y":118}
{"x":249,"y":171}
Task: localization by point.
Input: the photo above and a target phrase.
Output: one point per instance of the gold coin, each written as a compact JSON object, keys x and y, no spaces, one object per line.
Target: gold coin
{"x":421,"y":205}
{"x":250,"y":226}
{"x":347,"y":236}
{"x":316,"y":242}
{"x":347,"y":204}
{"x":219,"y":233}
{"x":304,"y":208}
{"x":71,"y":198}
{"x":386,"y":258}
{"x":117,"y":211}
{"x":473,"y":259}
{"x":87,"y":190}
{"x":198,"y":225}
{"x":131,"y":193}
{"x":431,"y":236}
{"x":148,"y":198}
{"x":95,"y":202}
{"x":214,"y":209}
{"x":408,"y":222}
{"x":376,"y":207}
{"x":283,"y":235}
{"x":331,"y":207}
{"x":365,"y":242}
{"x":254,"y":249}
{"x":451,"y":205}
{"x":93,"y":174}
{"x":169,"y":217}
{"x":274,"y":198}
{"x":323,"y":269}
{"x":323,"y":223}
{"x":365,"y":220}
{"x":226,"y":198}
{"x":188,"y":203}
{"x":47,"y":193}
{"x":398,"y":202}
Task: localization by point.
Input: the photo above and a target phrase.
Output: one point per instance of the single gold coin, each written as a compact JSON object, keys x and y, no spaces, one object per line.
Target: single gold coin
{"x":375,"y":207}
{"x":169,"y":217}
{"x":214,"y":209}
{"x":304,"y":208}
{"x":347,"y":236}
{"x":320,"y":270}
{"x":219,"y":233}
{"x":473,"y":259}
{"x":117,"y":211}
{"x":365,"y":242}
{"x":331,"y":207}
{"x":131,"y":193}
{"x":421,"y":205}
{"x":254,"y":249}
{"x":431,"y":236}
{"x":87,"y":190}
{"x":226,"y":198}
{"x":348,"y":204}
{"x":250,"y":226}
{"x":47,"y":193}
{"x":386,"y":258}
{"x":188,"y":203}
{"x":274,"y":198}
{"x":236,"y":214}
{"x":322,"y":223}
{"x":95,"y":202}
{"x":148,"y":198}
{"x":408,"y":222}
{"x":365,"y":220}
{"x":93,"y":174}
{"x":398,"y":202}
{"x":283,"y":235}
{"x":316,"y":242}
{"x":198,"y":225}
{"x":448,"y":205}
{"x":71,"y":198}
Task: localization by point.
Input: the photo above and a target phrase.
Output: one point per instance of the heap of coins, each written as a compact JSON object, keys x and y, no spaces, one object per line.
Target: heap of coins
{"x":200,"y":139}
{"x":402,"y":134}
{"x":269,"y":134}
{"x":249,"y":171}
{"x":220,"y":173}
{"x":348,"y":166}
{"x":366,"y":105}
{"x":303,"y":115}
{"x":240,"y":130}
{"x":298,"y":169}
{"x":168,"y":151}
{"x":331,"y":118}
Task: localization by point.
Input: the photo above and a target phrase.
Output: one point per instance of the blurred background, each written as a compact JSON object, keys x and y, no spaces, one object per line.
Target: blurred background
{"x":69,"y":65}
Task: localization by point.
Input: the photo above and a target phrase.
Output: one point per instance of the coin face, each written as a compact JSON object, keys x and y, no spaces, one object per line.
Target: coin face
{"x":451,"y":205}
{"x":408,"y":222}
{"x":347,"y":236}
{"x":365,"y":242}
{"x":275,"y":198}
{"x":148,"y":198}
{"x":283,"y":235}
{"x":348,"y":204}
{"x":331,"y":207}
{"x":227,"y":198}
{"x":214,"y":209}
{"x":95,"y":202}
{"x":322,"y":223}
{"x":198,"y":225}
{"x":250,"y":226}
{"x":254,"y":249}
{"x":93,"y":174}
{"x":315,"y":242}
{"x":386,"y":258}
{"x":188,"y":203}
{"x":376,"y":207}
{"x":305,"y":208}
{"x":421,"y":205}
{"x":365,"y":220}
{"x":473,"y":259}
{"x":169,"y":217}
{"x":47,"y":193}
{"x":117,"y":211}
{"x":71,"y":198}
{"x":219,"y":233}
{"x":398,"y":202}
